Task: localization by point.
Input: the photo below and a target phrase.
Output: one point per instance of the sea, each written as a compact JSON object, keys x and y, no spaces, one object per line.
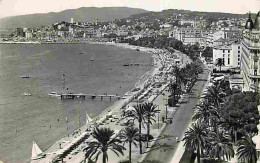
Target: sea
{"x":28,"y":113}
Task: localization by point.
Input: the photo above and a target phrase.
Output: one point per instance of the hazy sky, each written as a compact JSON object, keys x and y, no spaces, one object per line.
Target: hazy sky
{"x":21,"y":7}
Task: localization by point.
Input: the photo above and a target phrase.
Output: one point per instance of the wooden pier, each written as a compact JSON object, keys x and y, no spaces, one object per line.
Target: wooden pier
{"x":89,"y":96}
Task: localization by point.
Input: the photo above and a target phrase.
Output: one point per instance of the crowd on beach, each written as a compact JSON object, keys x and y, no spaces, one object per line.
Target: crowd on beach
{"x":147,"y":89}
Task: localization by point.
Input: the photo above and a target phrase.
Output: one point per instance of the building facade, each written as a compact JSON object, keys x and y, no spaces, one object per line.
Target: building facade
{"x":190,"y":36}
{"x":250,"y":62}
{"x":230,"y":55}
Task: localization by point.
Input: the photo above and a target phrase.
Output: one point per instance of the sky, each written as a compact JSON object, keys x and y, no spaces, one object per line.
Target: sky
{"x":23,"y":7}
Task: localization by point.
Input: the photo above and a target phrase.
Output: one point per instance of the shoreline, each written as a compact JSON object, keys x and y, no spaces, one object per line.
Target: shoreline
{"x":120,"y":103}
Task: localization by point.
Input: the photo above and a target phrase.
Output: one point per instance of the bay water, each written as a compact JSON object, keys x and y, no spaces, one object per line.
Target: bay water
{"x":82,"y":68}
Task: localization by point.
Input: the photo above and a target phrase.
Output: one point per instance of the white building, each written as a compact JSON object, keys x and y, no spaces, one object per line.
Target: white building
{"x":189,"y":35}
{"x":230,"y":55}
{"x":28,"y":34}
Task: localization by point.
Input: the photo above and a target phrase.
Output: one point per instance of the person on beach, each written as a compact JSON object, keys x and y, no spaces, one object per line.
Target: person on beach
{"x":177,"y":138}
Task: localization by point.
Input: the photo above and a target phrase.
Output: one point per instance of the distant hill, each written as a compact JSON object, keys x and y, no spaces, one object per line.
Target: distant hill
{"x":187,"y":14}
{"x":81,"y":14}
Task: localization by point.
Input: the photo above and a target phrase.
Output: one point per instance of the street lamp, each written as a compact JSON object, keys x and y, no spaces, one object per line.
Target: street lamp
{"x":166,"y":109}
{"x":158,"y":118}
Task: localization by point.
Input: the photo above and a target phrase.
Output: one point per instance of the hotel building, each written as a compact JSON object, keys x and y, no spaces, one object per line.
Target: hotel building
{"x":250,"y":61}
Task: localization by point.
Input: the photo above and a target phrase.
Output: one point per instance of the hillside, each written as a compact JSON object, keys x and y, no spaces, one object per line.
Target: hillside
{"x":187,"y":14}
{"x":81,"y":14}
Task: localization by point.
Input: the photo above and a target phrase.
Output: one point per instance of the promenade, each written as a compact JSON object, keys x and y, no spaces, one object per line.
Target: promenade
{"x":181,"y":120}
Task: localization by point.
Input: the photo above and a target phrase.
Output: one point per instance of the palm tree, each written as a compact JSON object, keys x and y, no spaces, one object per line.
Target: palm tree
{"x":130,"y":135}
{"x":247,"y":149}
{"x":138,"y":114}
{"x":172,"y":88}
{"x":205,"y":112}
{"x":220,"y":146}
{"x":105,"y":139}
{"x":195,"y":139}
{"x":179,"y":76}
{"x":213,"y":95}
{"x":220,"y":63}
{"x":150,"y":110}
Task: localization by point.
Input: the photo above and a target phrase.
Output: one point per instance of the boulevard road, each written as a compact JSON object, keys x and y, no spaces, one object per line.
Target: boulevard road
{"x":181,"y":120}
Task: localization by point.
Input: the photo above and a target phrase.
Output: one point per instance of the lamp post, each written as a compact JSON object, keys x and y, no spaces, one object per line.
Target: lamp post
{"x":166,"y":111}
{"x":166,"y":108}
{"x":158,"y":119}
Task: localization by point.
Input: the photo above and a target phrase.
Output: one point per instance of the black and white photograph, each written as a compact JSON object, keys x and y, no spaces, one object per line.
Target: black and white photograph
{"x":129,"y":81}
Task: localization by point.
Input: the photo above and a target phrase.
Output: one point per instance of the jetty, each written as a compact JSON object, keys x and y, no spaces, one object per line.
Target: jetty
{"x":89,"y":96}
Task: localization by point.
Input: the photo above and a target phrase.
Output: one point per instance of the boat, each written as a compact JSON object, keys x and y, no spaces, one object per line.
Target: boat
{"x":27,"y":94}
{"x":36,"y":152}
{"x":92,"y":59}
{"x":54,"y":94}
{"x":26,"y":76}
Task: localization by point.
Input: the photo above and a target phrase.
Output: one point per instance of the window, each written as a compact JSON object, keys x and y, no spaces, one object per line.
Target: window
{"x":228,"y":51}
{"x":238,"y":55}
{"x":255,"y":72}
{"x":238,"y":47}
{"x":238,"y":59}
{"x":223,"y":55}
{"x":228,"y":61}
{"x":238,"y":63}
{"x":223,"y":51}
{"x":228,"y":55}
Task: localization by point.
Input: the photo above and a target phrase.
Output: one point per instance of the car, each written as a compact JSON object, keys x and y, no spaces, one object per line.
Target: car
{"x":144,"y":137}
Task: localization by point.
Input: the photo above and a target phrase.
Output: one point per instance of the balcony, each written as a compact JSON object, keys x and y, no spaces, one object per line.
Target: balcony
{"x":253,"y":76}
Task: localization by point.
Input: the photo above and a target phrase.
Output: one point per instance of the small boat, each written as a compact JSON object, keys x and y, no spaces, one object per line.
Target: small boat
{"x":36,"y":152}
{"x":27,"y":94}
{"x":92,"y":59}
{"x":26,"y":76}
{"x":55,"y":94}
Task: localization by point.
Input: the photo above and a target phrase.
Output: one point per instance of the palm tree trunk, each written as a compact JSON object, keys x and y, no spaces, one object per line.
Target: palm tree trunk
{"x":198,"y":154}
{"x":130,"y":151}
{"x":140,"y":132}
{"x":235,"y":136}
{"x":148,"y":131}
{"x":104,"y":157}
{"x":174,"y":94}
